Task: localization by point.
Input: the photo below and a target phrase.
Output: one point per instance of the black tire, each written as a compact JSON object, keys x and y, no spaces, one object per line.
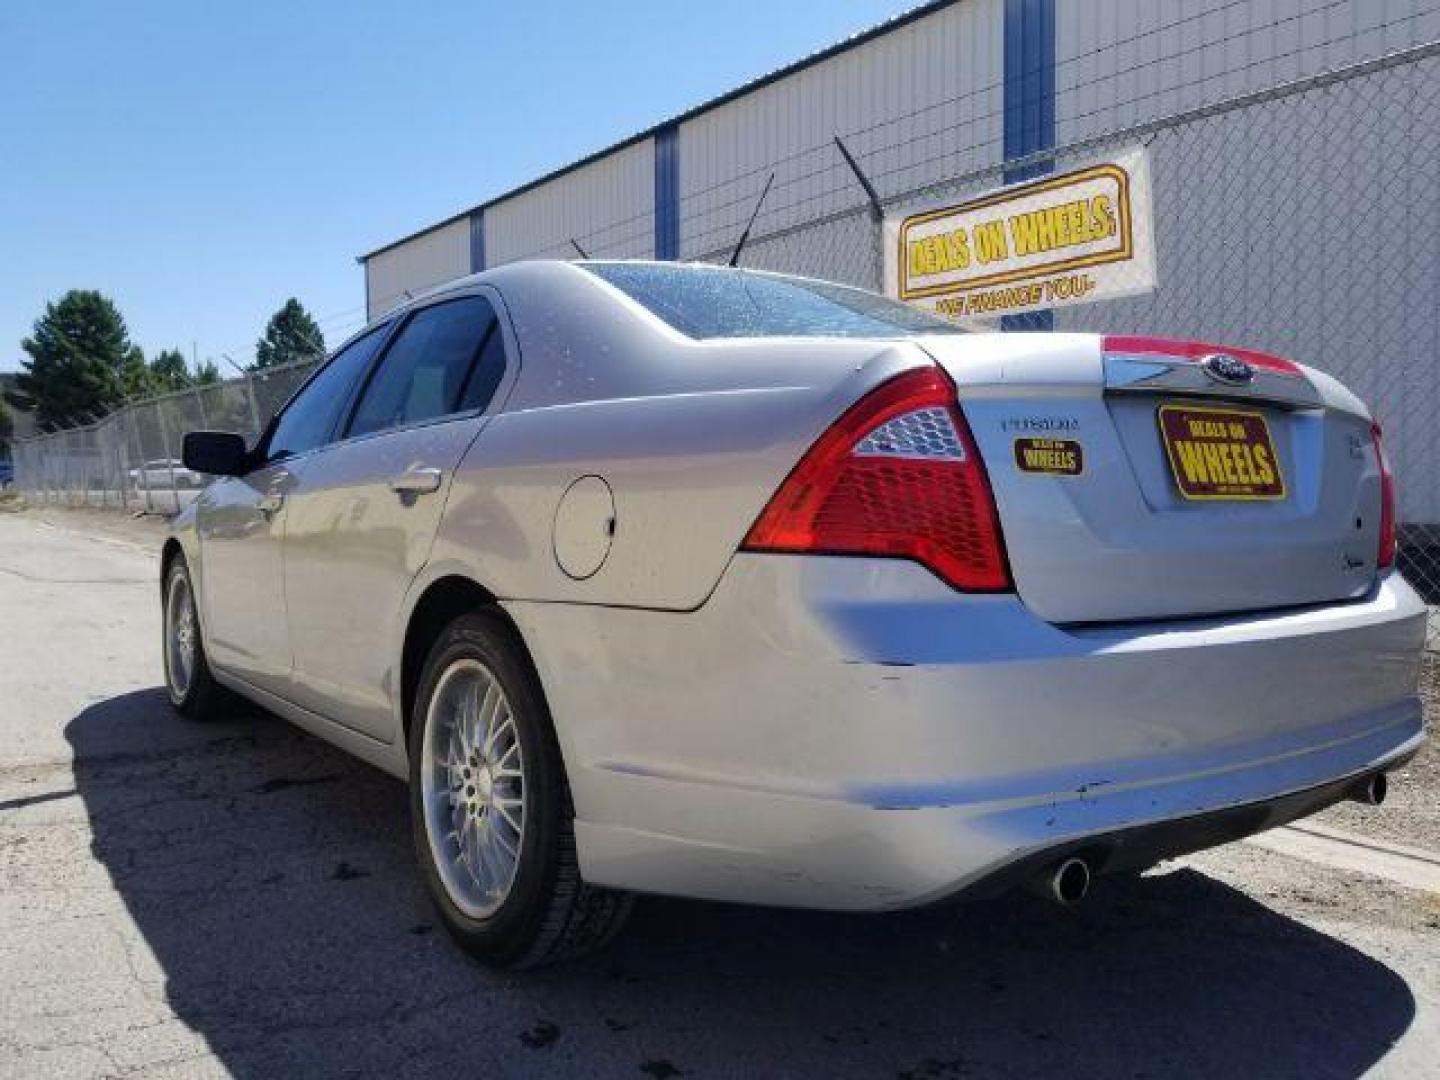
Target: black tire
{"x":203,"y":698}
{"x":549,"y":914}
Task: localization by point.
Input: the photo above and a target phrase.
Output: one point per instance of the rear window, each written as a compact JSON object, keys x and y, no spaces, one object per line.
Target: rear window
{"x":722,"y":302}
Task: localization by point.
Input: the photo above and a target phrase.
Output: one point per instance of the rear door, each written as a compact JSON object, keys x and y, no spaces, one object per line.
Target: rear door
{"x":1132,"y":483}
{"x":365,"y":512}
{"x":241,"y":522}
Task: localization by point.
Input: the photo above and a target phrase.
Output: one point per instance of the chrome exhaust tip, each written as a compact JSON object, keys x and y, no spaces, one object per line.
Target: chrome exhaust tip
{"x":1066,"y":883}
{"x":1372,"y":790}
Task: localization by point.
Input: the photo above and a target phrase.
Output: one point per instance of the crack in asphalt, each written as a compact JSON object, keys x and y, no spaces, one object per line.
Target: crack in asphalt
{"x":34,"y":800}
{"x":36,"y":580}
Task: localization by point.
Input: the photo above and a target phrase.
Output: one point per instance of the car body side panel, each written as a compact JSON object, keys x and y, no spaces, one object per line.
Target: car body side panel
{"x":352,"y":548}
{"x":389,"y":757}
{"x":242,"y":588}
{"x":689,"y":474}
{"x":692,"y":437}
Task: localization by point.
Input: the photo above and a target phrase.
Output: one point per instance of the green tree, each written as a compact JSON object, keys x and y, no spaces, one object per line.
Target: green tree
{"x":78,"y":357}
{"x":7,"y":425}
{"x":208,"y":373}
{"x":135,"y":375}
{"x":291,"y":335}
{"x":169,"y":372}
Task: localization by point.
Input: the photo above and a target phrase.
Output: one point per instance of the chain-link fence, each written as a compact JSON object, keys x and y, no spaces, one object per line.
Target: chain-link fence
{"x":1300,"y":219}
{"x":130,"y":460}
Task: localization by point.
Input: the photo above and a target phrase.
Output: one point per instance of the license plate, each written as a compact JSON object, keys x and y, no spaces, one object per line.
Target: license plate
{"x":1221,"y":454}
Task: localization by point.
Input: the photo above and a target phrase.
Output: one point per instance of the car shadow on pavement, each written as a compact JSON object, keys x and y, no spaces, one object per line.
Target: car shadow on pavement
{"x":272,"y":879}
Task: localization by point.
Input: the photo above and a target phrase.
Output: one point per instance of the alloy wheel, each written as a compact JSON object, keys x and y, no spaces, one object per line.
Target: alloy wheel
{"x":473,"y":787}
{"x":181,"y":636}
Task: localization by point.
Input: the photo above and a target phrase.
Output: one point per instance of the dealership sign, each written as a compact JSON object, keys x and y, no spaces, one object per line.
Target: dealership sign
{"x":1057,"y":240}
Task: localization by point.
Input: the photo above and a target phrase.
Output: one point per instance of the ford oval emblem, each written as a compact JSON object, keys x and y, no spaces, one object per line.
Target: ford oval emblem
{"x":1222,"y":367}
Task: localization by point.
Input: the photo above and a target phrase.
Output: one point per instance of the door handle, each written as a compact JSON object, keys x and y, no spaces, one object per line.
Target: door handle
{"x":417,"y":480}
{"x":270,"y":503}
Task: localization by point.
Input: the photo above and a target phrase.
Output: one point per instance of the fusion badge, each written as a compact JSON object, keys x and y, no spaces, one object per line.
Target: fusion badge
{"x":1058,"y":457}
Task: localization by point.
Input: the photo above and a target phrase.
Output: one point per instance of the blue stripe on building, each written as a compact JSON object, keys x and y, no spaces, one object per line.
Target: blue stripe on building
{"x":477,"y":241}
{"x":667,"y":192}
{"x":1029,"y":107}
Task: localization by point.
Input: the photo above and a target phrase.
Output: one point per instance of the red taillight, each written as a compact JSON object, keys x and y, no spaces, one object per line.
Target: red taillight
{"x":1386,"y":556}
{"x":897,"y":475}
{"x":1119,"y":345}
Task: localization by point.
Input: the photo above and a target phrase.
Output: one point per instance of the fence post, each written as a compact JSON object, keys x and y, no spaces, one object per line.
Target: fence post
{"x":116,"y":471}
{"x":142,"y":481}
{"x":122,"y":441}
{"x":254,"y":405}
{"x":169,"y":461}
{"x":71,"y":482}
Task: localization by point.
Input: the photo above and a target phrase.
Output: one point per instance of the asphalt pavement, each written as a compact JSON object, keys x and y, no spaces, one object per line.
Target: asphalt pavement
{"x":240,"y":899}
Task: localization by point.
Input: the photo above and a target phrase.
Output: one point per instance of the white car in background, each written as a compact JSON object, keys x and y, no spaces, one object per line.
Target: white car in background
{"x":164,"y":474}
{"x":725,"y":584}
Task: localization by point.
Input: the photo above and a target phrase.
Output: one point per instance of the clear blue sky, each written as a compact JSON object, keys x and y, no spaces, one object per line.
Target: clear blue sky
{"x":201,"y":162}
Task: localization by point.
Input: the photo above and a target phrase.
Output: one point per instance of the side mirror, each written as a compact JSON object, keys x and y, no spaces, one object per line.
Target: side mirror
{"x":219,"y":453}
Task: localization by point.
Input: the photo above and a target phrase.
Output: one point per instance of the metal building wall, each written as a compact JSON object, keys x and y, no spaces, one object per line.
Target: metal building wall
{"x":608,"y":206}
{"x":429,"y":259}
{"x":918,"y":103}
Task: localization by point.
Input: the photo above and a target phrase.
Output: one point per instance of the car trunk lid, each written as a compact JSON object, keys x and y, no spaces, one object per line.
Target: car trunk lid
{"x":1134,"y":480}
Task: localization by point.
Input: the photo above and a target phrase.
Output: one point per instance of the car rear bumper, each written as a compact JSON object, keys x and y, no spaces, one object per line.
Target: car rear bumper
{"x":852,"y":734}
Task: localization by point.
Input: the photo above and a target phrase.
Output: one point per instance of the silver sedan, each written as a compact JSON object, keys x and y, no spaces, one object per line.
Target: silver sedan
{"x":709,"y":582}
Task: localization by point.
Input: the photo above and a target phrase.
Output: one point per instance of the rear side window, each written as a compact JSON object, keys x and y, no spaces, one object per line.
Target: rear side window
{"x":446,"y":359}
{"x":309,"y":420}
{"x":722,"y":302}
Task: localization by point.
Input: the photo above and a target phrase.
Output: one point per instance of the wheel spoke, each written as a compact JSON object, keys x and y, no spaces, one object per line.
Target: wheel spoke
{"x":486,"y":852}
{"x":472,"y":849}
{"x":462,"y":728}
{"x":498,"y":859}
{"x":508,"y":724}
{"x":454,"y":759}
{"x":494,"y":701}
{"x":502,"y":840}
{"x":504,"y":811}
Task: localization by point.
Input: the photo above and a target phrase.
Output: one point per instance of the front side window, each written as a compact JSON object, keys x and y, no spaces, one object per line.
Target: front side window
{"x":309,"y":420}
{"x":723,"y":302}
{"x":448,"y":358}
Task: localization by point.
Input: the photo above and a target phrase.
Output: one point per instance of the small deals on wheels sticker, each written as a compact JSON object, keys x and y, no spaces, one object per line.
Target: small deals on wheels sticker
{"x":1221,"y":454}
{"x":1058,"y":457}
{"x":1067,"y":238}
